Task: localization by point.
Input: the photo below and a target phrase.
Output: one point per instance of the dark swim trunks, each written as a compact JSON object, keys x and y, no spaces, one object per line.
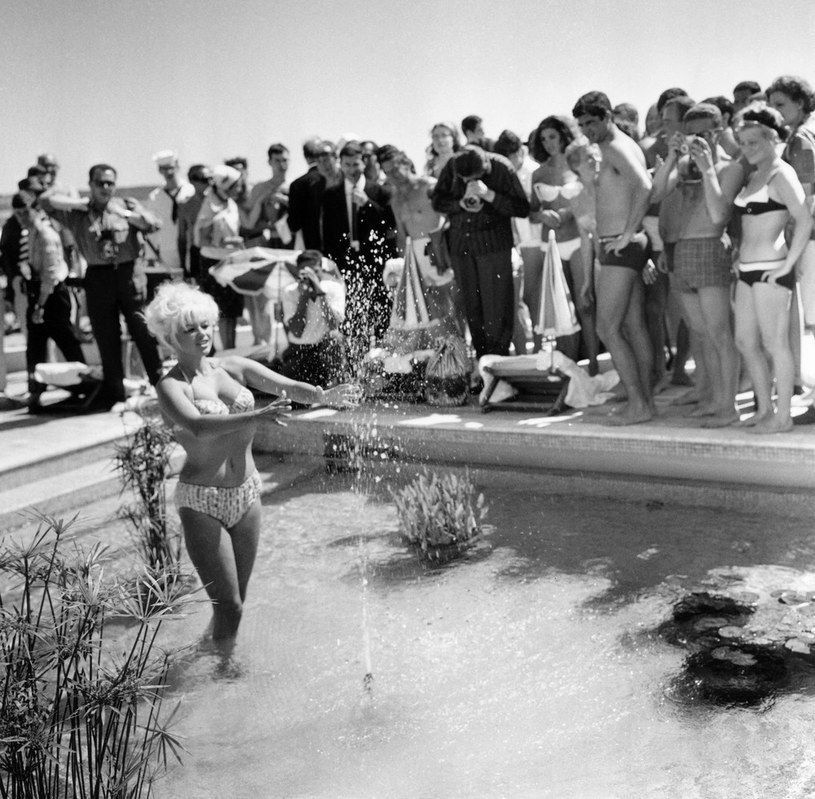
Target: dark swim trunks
{"x":633,"y":256}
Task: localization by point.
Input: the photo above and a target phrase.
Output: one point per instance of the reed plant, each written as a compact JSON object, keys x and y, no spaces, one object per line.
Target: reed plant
{"x":143,"y":463}
{"x":440,"y":515}
{"x":79,"y":717}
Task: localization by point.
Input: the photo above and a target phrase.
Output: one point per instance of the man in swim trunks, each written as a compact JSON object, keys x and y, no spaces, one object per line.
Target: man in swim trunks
{"x":623,"y":190}
{"x":706,"y":187}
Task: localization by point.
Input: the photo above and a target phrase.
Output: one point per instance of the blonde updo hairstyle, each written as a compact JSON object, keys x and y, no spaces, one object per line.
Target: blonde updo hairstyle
{"x":175,"y":306}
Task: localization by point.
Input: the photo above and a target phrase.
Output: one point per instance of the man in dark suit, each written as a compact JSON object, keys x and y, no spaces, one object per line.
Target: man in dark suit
{"x":306,"y":196}
{"x":359,"y":234}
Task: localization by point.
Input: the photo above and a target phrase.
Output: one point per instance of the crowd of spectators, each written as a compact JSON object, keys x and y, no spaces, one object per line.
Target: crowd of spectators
{"x":692,"y":237}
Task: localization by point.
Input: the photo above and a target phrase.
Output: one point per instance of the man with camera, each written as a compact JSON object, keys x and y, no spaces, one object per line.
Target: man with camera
{"x":479,"y":192}
{"x":702,"y":274}
{"x":313,"y":308}
{"x":106,"y":230}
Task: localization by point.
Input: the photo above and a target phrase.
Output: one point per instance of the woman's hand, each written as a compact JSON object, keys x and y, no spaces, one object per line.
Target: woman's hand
{"x":772,"y":276}
{"x":345,"y":395}
{"x":585,"y":299}
{"x":278,"y":409}
{"x":550,"y":218}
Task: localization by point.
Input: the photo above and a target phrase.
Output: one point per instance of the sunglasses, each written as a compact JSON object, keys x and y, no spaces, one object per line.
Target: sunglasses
{"x":105,"y":184}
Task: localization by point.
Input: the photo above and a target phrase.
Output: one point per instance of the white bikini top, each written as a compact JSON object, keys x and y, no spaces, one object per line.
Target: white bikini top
{"x":548,"y":193}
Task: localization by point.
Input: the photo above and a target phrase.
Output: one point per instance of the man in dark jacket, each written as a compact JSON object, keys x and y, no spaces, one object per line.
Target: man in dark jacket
{"x":359,"y":234}
{"x":479,"y":193}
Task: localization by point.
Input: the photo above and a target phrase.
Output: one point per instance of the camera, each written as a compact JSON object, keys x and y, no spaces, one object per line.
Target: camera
{"x":471,"y":202}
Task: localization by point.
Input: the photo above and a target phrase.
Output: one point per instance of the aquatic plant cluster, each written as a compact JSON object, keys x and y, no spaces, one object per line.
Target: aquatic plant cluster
{"x":440,"y":515}
{"x":744,"y":648}
{"x":143,"y":463}
{"x":80,"y":712}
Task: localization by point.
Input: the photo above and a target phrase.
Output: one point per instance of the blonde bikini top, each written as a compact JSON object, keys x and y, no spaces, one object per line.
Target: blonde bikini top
{"x":243,"y":402}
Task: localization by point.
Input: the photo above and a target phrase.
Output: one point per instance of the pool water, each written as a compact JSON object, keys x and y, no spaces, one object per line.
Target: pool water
{"x":528,"y":668}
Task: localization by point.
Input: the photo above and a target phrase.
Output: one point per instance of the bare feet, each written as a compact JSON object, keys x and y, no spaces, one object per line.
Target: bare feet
{"x":772,"y":424}
{"x":724,"y":419}
{"x":702,"y":409}
{"x":751,"y":421}
{"x":686,"y":398}
{"x":629,"y":416}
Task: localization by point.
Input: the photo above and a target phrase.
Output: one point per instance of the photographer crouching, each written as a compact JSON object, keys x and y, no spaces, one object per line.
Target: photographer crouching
{"x":313,"y":309}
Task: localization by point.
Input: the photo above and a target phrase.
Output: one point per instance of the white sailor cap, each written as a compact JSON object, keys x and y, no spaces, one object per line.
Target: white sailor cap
{"x":165,"y":158}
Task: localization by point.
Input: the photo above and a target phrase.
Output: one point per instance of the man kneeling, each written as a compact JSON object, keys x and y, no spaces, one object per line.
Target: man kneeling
{"x":313,"y":310}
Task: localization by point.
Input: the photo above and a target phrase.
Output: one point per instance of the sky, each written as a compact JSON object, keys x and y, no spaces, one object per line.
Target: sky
{"x":114,"y":81}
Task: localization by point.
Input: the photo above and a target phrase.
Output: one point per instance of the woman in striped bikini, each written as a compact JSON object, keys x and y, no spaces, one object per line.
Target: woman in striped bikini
{"x":214,"y":418}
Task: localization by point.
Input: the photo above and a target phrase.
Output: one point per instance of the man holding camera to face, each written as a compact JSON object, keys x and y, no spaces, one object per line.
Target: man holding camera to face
{"x":313,"y":308}
{"x":479,"y":192}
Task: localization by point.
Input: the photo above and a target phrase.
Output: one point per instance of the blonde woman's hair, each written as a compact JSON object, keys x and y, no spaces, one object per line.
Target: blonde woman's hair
{"x":175,"y":306}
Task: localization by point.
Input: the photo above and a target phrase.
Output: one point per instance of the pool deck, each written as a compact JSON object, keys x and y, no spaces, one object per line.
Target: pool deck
{"x":61,"y":463}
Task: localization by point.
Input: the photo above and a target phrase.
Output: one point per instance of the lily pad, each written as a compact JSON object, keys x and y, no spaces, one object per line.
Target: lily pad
{"x":797,"y":645}
{"x":735,"y":656}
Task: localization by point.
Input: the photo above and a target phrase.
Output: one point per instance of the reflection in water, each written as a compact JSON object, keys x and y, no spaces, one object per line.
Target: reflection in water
{"x":528,"y":668}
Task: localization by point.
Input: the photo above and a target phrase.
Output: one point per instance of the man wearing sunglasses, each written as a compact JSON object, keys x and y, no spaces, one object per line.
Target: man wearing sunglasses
{"x":107,"y":232}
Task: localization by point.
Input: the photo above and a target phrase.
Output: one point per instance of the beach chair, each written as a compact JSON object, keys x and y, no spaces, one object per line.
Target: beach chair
{"x":534,"y":389}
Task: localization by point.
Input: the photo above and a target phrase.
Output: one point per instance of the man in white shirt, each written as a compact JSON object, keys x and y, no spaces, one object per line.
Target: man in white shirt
{"x":162,"y":247}
{"x":313,"y":310}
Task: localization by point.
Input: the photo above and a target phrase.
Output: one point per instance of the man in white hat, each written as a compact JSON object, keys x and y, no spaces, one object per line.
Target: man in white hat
{"x":162,"y":247}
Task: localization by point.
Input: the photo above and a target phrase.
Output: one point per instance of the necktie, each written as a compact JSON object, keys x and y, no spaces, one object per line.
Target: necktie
{"x":172,"y":195}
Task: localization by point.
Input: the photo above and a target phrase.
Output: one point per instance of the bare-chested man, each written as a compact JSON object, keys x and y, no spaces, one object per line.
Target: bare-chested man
{"x":417,"y":220}
{"x":707,"y":187}
{"x":623,"y":190}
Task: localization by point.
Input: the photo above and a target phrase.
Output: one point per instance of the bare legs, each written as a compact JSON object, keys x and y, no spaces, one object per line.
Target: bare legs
{"x":224,"y":560}
{"x":621,"y":325}
{"x":708,"y":313}
{"x":762,"y":324}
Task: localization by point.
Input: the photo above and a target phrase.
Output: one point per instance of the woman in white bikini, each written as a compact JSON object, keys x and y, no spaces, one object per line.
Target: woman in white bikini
{"x":554,"y":188}
{"x":214,"y":418}
{"x":772,"y":197}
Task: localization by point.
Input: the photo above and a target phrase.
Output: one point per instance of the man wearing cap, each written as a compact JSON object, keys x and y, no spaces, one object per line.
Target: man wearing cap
{"x":49,"y":301}
{"x":106,"y":230}
{"x":305,"y":200}
{"x":189,"y":256}
{"x":162,"y":247}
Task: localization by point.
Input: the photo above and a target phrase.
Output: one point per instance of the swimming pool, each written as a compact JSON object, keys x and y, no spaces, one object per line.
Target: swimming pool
{"x":529,"y":668}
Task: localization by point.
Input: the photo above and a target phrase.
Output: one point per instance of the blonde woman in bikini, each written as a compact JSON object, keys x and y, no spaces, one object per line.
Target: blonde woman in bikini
{"x":214,"y":418}
{"x":772,"y":198}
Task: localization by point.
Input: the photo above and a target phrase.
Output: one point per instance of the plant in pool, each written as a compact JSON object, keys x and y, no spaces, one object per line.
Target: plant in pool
{"x":440,"y":514}
{"x":80,"y":711}
{"x":143,"y":463}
